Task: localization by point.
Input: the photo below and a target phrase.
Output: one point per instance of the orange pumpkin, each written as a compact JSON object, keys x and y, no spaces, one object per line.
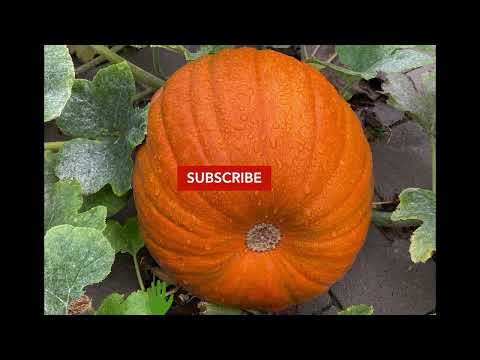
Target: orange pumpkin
{"x":254,"y":250}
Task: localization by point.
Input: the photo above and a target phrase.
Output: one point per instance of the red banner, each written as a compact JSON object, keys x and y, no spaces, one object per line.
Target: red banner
{"x":224,"y":178}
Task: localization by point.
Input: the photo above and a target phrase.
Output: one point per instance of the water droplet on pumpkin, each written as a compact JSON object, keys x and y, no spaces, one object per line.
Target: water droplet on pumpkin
{"x":259,"y":203}
{"x":307,"y":189}
{"x":208,"y":247}
{"x":275,"y":210}
{"x":240,"y":124}
{"x":273,"y":142}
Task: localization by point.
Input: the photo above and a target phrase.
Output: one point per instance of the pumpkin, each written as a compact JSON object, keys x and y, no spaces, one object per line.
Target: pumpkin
{"x":261,"y":250}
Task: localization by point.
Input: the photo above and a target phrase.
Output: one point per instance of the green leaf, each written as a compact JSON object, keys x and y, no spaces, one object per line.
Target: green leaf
{"x":157,"y":299}
{"x":202,"y":51}
{"x":357,"y":310}
{"x":74,"y":258}
{"x":419,"y":101}
{"x":371,"y":59}
{"x":320,"y":64}
{"x":59,"y":75}
{"x":150,"y":302}
{"x":107,"y":198}
{"x":100,"y":112}
{"x":62,"y":203}
{"x":419,"y":204}
{"x":137,"y":303}
{"x":111,"y":305}
{"x":126,"y":238}
{"x":348,"y":77}
{"x":104,"y":197}
{"x":49,"y":163}
{"x":207,"y":308}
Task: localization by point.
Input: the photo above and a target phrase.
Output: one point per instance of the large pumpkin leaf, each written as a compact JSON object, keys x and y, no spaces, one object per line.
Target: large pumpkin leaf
{"x":369,"y":60}
{"x":107,"y":198}
{"x":419,"y":101}
{"x":74,"y":258}
{"x":419,"y":204}
{"x":126,"y":238}
{"x":59,"y":75}
{"x":101,"y":113}
{"x":357,"y":310}
{"x":61,"y":205}
{"x":104,"y":197}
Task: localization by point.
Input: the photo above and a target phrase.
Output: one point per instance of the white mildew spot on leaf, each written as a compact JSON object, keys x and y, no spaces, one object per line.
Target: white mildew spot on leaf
{"x":419,"y":100}
{"x":369,"y":60}
{"x":419,"y":204}
{"x":59,"y":75}
{"x":74,"y":258}
{"x":100,"y":112}
{"x":104,"y":197}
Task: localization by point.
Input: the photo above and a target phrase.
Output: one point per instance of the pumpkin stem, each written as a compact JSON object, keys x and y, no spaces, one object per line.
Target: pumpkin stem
{"x":262,"y":237}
